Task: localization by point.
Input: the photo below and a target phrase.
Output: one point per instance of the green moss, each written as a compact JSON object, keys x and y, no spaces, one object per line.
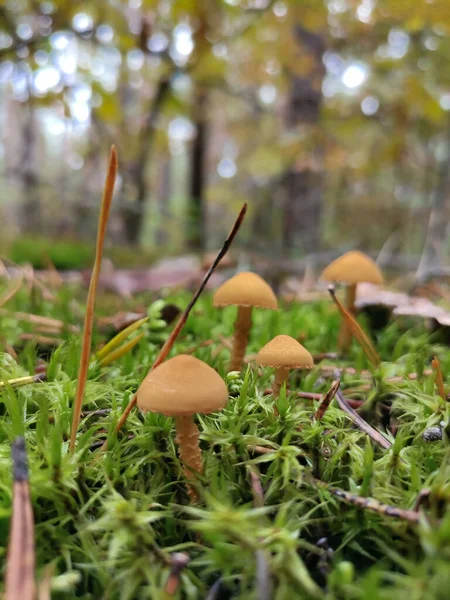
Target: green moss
{"x":109,"y":523}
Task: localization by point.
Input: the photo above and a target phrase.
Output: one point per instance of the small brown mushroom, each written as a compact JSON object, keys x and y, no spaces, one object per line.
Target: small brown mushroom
{"x":352,"y":268}
{"x":179,"y":388}
{"x":284,"y":353}
{"x":244,"y":290}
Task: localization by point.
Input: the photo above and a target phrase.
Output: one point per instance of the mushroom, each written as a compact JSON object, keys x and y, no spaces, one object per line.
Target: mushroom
{"x":284,"y":353}
{"x":245,"y":290}
{"x":179,"y":388}
{"x":352,"y":268}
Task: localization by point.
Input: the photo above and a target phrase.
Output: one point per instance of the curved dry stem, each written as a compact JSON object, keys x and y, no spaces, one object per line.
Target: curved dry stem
{"x":241,"y":334}
{"x":189,"y":449}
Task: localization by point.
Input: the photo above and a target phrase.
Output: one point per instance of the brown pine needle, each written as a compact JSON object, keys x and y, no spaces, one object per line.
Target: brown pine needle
{"x":356,"y":330}
{"x":182,"y":320}
{"x":89,"y":317}
{"x":327,"y":399}
{"x":439,"y":379}
{"x":20,"y":576}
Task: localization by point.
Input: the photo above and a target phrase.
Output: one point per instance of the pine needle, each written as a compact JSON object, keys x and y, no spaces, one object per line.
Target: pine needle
{"x":327,"y":399}
{"x":20,"y":576}
{"x":89,"y":317}
{"x":357,"y":331}
{"x":439,"y":379}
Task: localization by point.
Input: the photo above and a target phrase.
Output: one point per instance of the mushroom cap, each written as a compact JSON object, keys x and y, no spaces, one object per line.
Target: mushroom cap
{"x":353,"y":267}
{"x":182,"y":385}
{"x":246,"y":289}
{"x":284,"y":351}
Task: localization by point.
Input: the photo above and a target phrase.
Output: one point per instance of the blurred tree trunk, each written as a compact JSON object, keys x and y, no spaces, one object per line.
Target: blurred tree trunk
{"x":164,"y":193}
{"x":302,"y":184}
{"x":135,"y":173}
{"x":197,"y":187}
{"x":31,"y":206}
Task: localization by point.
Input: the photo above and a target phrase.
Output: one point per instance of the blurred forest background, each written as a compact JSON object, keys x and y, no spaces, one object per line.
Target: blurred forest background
{"x":330,"y":117}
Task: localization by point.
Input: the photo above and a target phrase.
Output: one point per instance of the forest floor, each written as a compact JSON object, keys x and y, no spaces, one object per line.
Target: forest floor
{"x":291,"y":503}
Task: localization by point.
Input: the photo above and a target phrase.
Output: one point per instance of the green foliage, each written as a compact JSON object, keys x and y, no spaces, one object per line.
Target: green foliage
{"x":110,"y":523}
{"x":41,"y":252}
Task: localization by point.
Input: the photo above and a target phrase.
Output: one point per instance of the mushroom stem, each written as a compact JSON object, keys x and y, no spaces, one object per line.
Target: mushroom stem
{"x":345,"y":335}
{"x":241,"y":335}
{"x":188,"y":448}
{"x":281,"y":375}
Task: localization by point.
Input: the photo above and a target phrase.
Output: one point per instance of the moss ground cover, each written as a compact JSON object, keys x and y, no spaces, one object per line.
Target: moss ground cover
{"x":267,"y":524}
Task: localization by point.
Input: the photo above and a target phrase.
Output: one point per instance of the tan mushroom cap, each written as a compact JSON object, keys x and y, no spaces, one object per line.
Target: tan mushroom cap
{"x":353,"y":267}
{"x":284,"y":351}
{"x":246,"y":289}
{"x":183,"y":385}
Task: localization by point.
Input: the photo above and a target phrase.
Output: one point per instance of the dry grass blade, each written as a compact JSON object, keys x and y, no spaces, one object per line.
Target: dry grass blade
{"x":11,"y":292}
{"x":89,"y":317}
{"x":357,"y":331}
{"x":55,"y":324}
{"x":359,"y":421}
{"x":182,"y":320}
{"x":20,"y":576}
{"x":439,"y":379}
{"x":327,"y":399}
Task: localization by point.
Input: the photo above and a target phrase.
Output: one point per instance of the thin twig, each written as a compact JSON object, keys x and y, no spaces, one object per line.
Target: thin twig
{"x":327,"y":399}
{"x":181,"y":322}
{"x":368,"y":503}
{"x":89,"y":317}
{"x":356,"y":330}
{"x":20,"y":576}
{"x":315,"y":396}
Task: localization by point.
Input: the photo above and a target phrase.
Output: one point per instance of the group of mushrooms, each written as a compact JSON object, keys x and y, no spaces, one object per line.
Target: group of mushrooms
{"x":184,"y":386}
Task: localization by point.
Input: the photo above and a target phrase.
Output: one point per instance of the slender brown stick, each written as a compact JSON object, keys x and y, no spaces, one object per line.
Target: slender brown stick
{"x":439,"y":379}
{"x":20,"y":576}
{"x":345,"y":335}
{"x":315,"y":396}
{"x":357,"y":331}
{"x":371,"y":504}
{"x":89,"y":317}
{"x":182,"y":320}
{"x":327,"y":399}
